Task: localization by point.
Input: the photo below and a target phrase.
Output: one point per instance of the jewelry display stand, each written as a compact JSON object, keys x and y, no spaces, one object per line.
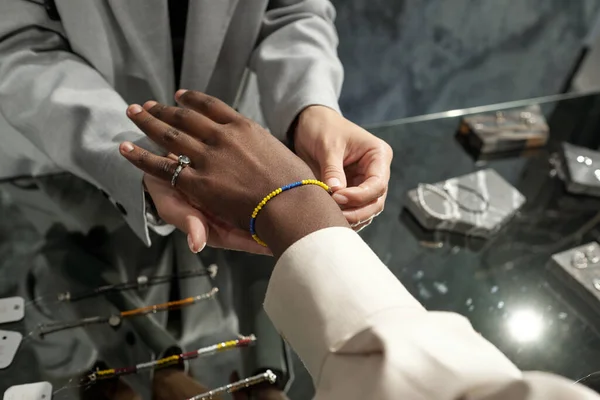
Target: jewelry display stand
{"x":580,"y":169}
{"x":505,"y":131}
{"x":579,"y":269}
{"x":477,"y":204}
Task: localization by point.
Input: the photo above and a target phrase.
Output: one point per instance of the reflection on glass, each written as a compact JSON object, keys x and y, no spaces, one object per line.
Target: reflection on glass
{"x":525,"y":325}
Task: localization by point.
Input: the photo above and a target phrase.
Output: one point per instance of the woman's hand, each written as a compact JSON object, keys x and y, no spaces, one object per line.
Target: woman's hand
{"x":353,"y":162}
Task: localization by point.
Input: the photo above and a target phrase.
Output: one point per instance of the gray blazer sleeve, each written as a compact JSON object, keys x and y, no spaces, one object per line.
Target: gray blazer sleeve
{"x":65,"y":108}
{"x":296,"y":61}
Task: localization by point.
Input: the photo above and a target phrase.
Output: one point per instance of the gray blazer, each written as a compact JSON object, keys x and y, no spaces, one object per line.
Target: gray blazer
{"x":64,"y":86}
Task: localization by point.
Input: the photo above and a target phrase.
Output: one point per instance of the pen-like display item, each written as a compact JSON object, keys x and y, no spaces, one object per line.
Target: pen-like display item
{"x":267,"y":376}
{"x":115,"y":320}
{"x":243,"y":341}
{"x":140,"y":283}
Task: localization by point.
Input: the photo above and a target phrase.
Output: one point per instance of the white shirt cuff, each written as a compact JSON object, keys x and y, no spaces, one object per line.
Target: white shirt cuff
{"x":321,"y":293}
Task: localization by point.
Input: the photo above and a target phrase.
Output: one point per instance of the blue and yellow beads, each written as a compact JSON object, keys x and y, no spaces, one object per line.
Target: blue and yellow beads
{"x":273,"y":194}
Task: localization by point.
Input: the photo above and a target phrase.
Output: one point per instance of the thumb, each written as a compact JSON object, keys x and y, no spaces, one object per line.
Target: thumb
{"x":196,"y":227}
{"x":187,"y":219}
{"x":191,"y":221}
{"x":174,"y":210}
{"x":332,"y":171}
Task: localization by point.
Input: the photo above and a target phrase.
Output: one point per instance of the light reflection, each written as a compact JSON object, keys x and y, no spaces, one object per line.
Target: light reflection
{"x":525,"y":325}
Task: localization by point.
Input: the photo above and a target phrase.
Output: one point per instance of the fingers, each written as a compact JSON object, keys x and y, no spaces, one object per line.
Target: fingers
{"x":377,"y":176}
{"x":175,"y":211}
{"x":235,"y":239}
{"x":184,"y":119}
{"x":163,"y":134}
{"x":225,"y":236}
{"x":206,"y":105}
{"x":162,"y":168}
{"x":332,"y":170}
{"x":371,"y":189}
{"x":357,"y":216}
{"x":196,"y":228}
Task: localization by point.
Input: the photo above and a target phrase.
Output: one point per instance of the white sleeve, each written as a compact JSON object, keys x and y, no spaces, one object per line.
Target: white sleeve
{"x":362,"y":335}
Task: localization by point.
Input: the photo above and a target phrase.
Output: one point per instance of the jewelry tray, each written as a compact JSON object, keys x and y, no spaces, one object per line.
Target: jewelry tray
{"x":503,"y":202}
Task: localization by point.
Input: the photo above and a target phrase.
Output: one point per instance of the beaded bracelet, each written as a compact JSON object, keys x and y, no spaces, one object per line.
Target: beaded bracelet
{"x":243,"y":341}
{"x":274,"y":193}
{"x":115,"y":319}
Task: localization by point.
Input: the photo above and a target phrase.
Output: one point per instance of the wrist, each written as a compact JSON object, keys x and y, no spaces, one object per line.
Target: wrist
{"x":315,"y":115}
{"x":296,"y":213}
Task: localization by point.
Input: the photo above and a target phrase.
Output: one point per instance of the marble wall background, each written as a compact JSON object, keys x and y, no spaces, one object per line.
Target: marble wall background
{"x":411,"y":57}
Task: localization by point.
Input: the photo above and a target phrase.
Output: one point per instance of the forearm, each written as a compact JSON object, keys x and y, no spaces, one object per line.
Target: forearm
{"x":296,"y":61}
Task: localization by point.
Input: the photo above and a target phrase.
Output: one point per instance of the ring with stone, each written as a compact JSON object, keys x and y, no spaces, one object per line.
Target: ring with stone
{"x":184,"y":161}
{"x":579,"y":260}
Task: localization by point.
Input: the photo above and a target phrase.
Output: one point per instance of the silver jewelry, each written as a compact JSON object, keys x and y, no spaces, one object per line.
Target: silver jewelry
{"x":592,"y":255}
{"x":454,"y":203}
{"x":366,"y":221}
{"x":527,"y":117}
{"x":579,"y":260}
{"x":184,"y":161}
{"x":584,"y":160}
{"x":583,"y":259}
{"x":453,"y":214}
{"x":485,"y":202}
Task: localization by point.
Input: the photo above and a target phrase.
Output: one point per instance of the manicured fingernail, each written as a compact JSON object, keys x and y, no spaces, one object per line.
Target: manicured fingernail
{"x":149,"y":104}
{"x":191,"y":243}
{"x":201,"y":247}
{"x":126,"y":147}
{"x":333,"y":183}
{"x":340,"y":199}
{"x":179,"y":93}
{"x":134,"y":109}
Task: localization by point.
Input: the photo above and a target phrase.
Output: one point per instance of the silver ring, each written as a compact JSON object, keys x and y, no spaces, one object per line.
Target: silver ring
{"x":579,"y":260}
{"x":184,"y":161}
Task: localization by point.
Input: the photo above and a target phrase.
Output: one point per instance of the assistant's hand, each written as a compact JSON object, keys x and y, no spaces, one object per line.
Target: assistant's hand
{"x":353,"y":162}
